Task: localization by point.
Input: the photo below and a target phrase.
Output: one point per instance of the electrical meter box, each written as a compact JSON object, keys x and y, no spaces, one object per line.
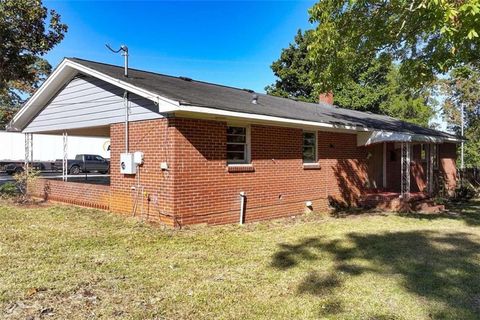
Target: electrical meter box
{"x":127,"y":165}
{"x":138,"y":158}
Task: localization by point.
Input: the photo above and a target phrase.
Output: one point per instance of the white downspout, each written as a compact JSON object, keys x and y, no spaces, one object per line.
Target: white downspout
{"x":125,"y":99}
{"x":243,"y":197}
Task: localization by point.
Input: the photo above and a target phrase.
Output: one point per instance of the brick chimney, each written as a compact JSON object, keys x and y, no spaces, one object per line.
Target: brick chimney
{"x":325,"y":98}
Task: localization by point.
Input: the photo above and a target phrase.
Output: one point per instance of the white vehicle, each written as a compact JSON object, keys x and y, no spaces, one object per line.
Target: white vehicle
{"x":46,"y":149}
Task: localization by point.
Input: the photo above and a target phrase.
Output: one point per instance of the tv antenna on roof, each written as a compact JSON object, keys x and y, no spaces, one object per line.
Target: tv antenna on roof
{"x":124,"y":50}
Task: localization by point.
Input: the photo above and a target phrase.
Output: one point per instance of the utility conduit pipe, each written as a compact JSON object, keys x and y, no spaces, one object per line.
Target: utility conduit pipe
{"x":243,"y":198}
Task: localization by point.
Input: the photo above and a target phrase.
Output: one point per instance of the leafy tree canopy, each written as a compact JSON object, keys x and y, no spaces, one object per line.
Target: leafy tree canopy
{"x":463,"y":88}
{"x":293,"y":70}
{"x":428,"y":37}
{"x":28,"y":30}
{"x":374,"y":86}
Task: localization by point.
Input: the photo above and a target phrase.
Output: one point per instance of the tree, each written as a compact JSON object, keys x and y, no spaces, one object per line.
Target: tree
{"x":293,"y":70}
{"x":405,"y":103}
{"x":28,"y":30}
{"x":374,"y":86}
{"x":366,"y":88}
{"x":427,"y":37}
{"x":463,"y":88}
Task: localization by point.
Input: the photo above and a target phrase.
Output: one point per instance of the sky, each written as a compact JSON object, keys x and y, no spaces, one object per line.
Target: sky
{"x":225,"y":42}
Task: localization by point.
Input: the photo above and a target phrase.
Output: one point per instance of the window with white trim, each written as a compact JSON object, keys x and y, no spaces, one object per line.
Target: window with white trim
{"x":237,"y":145}
{"x":423,"y":152}
{"x":309,"y":150}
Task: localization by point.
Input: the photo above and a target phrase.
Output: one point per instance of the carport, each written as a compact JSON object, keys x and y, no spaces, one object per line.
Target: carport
{"x":68,"y":138}
{"x":79,"y":101}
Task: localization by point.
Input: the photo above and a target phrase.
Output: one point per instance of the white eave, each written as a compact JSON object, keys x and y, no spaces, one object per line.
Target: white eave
{"x":380,"y":136}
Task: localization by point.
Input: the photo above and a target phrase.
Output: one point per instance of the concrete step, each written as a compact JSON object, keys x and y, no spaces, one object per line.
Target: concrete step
{"x":433,"y":209}
{"x":392,"y":202}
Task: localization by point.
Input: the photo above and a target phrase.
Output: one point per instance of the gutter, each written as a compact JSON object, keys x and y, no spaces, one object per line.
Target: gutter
{"x":266,"y":118}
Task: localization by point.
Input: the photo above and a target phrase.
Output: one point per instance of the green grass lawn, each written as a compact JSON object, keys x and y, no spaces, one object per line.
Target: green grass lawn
{"x":72,"y":263}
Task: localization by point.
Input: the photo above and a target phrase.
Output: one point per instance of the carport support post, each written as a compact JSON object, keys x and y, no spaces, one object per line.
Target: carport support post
{"x":405,"y":170}
{"x":65,"y":157}
{"x":28,"y":150}
{"x":384,"y":166}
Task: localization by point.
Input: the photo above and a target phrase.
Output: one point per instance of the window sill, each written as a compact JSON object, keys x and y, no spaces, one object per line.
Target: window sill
{"x":312,"y":166}
{"x":240,"y":168}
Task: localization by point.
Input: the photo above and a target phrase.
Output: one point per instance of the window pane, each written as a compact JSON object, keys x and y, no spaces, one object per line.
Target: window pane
{"x":236,"y":130}
{"x":309,"y":138}
{"x":309,"y":154}
{"x":239,"y":139}
{"x":236,"y":144}
{"x":309,"y":141}
{"x":236,"y":147}
{"x":423,"y":152}
{"x":309,"y":145}
{"x":235,"y":156}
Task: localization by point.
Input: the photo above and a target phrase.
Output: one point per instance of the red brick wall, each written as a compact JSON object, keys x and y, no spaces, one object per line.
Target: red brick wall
{"x":205,"y":192}
{"x":447,"y":154}
{"x":198,"y":187}
{"x":344,"y":164}
{"x":393,"y":168}
{"x":153,"y":138}
{"x":88,"y":195}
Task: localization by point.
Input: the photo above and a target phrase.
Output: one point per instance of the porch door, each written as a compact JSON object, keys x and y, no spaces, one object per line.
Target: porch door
{"x":375,"y":166}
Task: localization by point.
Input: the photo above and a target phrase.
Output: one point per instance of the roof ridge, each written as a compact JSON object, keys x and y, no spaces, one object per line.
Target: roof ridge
{"x":165,"y":75}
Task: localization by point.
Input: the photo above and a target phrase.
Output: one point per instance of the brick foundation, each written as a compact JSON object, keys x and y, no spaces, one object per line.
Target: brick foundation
{"x":87,"y":195}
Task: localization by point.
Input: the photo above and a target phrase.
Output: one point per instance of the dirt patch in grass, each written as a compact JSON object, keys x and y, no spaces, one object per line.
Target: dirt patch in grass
{"x":61,"y":262}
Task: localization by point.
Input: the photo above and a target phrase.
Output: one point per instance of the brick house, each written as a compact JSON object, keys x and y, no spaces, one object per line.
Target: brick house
{"x":212,"y":153}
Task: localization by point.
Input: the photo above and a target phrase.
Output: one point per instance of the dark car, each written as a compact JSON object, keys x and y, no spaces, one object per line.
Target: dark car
{"x":13,"y":168}
{"x":85,"y":163}
{"x":18,"y":167}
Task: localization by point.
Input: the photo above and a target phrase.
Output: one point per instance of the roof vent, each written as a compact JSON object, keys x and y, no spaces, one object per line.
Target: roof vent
{"x":185,"y":79}
{"x":248,"y":90}
{"x":255,"y":98}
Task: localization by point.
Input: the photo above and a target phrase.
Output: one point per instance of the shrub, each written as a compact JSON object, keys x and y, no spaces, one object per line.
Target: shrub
{"x":8,"y":190}
{"x":23,"y":181}
{"x":466,"y":192}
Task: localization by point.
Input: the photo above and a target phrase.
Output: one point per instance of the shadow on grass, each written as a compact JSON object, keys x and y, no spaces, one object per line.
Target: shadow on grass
{"x":468,"y":211}
{"x":441,"y":267}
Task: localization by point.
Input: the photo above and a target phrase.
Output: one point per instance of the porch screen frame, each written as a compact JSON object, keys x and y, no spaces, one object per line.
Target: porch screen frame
{"x":405,"y":169}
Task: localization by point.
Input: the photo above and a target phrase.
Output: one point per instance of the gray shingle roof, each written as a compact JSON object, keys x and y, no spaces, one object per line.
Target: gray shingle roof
{"x":203,"y":94}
